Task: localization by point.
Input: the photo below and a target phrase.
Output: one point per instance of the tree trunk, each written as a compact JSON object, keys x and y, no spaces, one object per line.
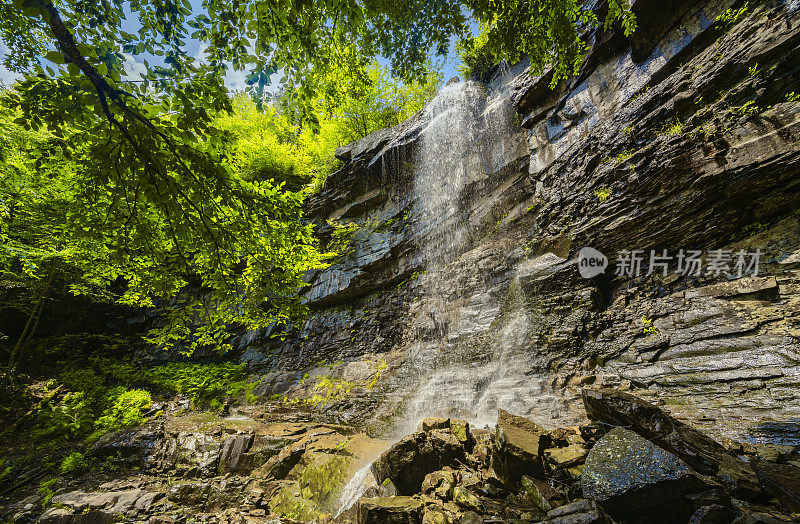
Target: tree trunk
{"x":30,"y":326}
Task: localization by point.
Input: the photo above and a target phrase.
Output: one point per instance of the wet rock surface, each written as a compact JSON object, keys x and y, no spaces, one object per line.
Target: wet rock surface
{"x":408,"y":462}
{"x":460,"y":300}
{"x":700,"y":451}
{"x":446,"y":472}
{"x":390,"y":510}
{"x":612,"y":471}
{"x":258,"y":465}
{"x":634,"y":479}
{"x":663,"y":141}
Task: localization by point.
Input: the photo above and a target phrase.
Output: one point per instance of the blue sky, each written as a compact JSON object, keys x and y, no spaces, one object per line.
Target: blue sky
{"x":234,"y":79}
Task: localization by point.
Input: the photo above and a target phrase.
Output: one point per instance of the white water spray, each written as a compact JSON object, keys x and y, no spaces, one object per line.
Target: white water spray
{"x":360,"y":482}
{"x":464,"y":141}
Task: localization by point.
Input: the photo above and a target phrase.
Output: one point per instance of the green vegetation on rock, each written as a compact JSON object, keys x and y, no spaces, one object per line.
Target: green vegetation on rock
{"x":74,"y":463}
{"x":126,"y":410}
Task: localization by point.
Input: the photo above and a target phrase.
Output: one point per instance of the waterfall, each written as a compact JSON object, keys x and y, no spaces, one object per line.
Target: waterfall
{"x":463,"y":141}
{"x":353,"y":490}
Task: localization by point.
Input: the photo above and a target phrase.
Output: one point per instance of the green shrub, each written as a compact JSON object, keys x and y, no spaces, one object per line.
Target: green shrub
{"x":127,"y":410}
{"x":200,"y":382}
{"x":747,"y":109}
{"x":477,"y":62}
{"x":6,"y":473}
{"x":602,"y":193}
{"x":70,"y":418}
{"x":47,"y":490}
{"x":732,"y":16}
{"x":86,"y":381}
{"x":342,"y":236}
{"x":73,"y":463}
{"x":268,"y":159}
{"x":671,"y":128}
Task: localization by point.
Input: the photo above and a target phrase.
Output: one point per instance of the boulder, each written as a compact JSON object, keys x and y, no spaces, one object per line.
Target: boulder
{"x":194,"y":453}
{"x":712,"y":514}
{"x":408,"y":461}
{"x":232,"y":450}
{"x":523,"y":442}
{"x":541,"y":494}
{"x":458,"y":427}
{"x":99,"y":506}
{"x":189,"y":493}
{"x":460,"y":430}
{"x":389,"y":510}
{"x":386,"y":489}
{"x":466,"y":499}
{"x":566,"y":457}
{"x":161,"y":519}
{"x":697,"y":449}
{"x":783,"y":481}
{"x":470,"y":517}
{"x":61,"y":515}
{"x":259,"y":452}
{"x":635,"y":480}
{"x":434,"y":515}
{"x":440,"y":484}
{"x":581,"y":511}
{"x":430,"y":423}
{"x":279,"y":466}
{"x":139,"y":446}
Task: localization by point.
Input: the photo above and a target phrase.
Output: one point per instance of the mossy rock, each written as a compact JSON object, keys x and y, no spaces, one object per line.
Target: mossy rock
{"x":389,"y":510}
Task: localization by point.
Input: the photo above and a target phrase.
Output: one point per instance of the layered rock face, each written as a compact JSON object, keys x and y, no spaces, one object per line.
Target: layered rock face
{"x":460,"y":292}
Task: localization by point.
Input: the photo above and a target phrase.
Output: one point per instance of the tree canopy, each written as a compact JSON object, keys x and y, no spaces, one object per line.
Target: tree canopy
{"x":147,"y":184}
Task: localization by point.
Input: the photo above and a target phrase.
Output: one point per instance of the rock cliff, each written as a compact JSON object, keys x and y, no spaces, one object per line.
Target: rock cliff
{"x":459,"y":291}
{"x":460,"y":364}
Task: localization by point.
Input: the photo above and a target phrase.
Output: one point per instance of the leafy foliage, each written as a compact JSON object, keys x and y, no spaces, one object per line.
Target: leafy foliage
{"x":379,"y":101}
{"x":86,"y":381}
{"x":733,"y":16}
{"x":602,"y":193}
{"x":140,"y":185}
{"x":202,"y":383}
{"x":547,"y":32}
{"x":341,"y":236}
{"x":477,"y":62}
{"x":70,"y":418}
{"x":382,"y":101}
{"x":47,"y":490}
{"x":127,"y":409}
{"x":74,"y":463}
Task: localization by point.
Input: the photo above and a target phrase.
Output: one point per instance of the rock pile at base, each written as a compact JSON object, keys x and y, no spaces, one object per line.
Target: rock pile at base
{"x":634,"y":464}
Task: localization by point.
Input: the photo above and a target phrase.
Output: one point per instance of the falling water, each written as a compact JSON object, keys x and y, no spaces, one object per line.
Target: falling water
{"x":464,"y":139}
{"x":362,"y":480}
{"x":449,"y":143}
{"x":475,"y":390}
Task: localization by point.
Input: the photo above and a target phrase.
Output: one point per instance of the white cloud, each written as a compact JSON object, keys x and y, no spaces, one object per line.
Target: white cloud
{"x":201,"y":53}
{"x":6,"y":77}
{"x":235,"y":80}
{"x":133,"y":69}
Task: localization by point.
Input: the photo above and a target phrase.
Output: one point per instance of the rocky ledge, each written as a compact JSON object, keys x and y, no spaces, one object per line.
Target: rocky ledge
{"x":633,"y":464}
